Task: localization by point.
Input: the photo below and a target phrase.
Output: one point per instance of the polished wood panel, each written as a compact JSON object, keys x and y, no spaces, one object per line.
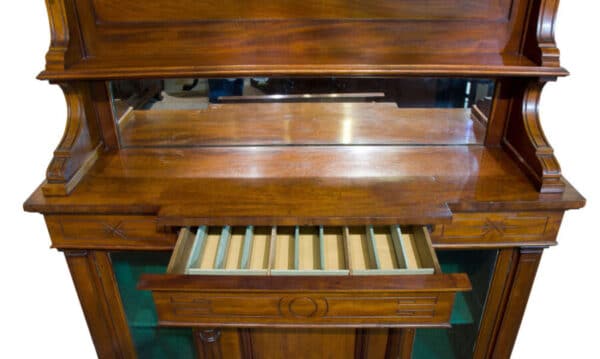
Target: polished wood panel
{"x":300,"y":123}
{"x":164,"y":11}
{"x":458,"y":37}
{"x":312,"y":343}
{"x":294,"y":186}
{"x":271,"y":308}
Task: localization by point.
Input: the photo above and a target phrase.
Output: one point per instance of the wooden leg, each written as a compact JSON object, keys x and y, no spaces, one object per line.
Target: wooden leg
{"x":524,"y":275}
{"x":400,"y":343}
{"x":496,"y":300}
{"x":398,"y":346}
{"x":101,"y":303}
{"x":207,"y":343}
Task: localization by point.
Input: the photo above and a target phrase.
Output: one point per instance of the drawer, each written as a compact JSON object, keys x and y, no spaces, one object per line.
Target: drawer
{"x":304,"y":276}
{"x":498,"y":229}
{"x":108,"y":232}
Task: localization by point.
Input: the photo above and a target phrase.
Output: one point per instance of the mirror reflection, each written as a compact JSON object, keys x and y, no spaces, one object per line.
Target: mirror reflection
{"x":264,"y":111}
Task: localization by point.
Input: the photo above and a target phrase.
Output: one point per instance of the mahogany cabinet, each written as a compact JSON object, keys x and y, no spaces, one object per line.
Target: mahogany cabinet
{"x":303,"y":179}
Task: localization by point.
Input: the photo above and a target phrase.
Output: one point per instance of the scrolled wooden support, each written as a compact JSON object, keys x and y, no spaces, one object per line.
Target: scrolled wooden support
{"x":525,"y":140}
{"x":79,"y":147}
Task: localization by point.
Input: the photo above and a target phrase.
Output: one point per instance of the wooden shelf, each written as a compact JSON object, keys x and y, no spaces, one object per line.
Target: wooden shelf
{"x":336,"y":185}
{"x":300,"y":123}
{"x":434,"y":64}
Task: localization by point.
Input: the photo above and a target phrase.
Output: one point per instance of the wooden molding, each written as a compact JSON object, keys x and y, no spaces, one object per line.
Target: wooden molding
{"x":65,"y":43}
{"x":539,"y":43}
{"x":524,"y":139}
{"x":59,"y":33}
{"x":550,"y":55}
{"x":79,"y":147}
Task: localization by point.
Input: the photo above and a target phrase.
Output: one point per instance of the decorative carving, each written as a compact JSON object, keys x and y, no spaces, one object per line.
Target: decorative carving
{"x":303,"y":307}
{"x":526,"y":141}
{"x":493,"y":228}
{"x":527,"y":228}
{"x":79,"y":147}
{"x":206,"y":309}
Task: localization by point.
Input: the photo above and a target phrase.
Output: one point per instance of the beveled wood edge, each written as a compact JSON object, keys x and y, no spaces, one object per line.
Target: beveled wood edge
{"x":452,"y":282}
{"x":425,"y":244}
{"x":196,"y":323}
{"x":494,"y":245}
{"x":181,"y":252}
{"x":306,"y":70}
{"x":416,"y":215}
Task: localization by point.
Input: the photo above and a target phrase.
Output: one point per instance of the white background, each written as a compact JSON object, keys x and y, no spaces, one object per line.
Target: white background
{"x":40,"y":314}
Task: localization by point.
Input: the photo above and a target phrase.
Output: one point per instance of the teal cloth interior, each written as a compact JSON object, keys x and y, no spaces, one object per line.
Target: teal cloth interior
{"x":458,"y":342}
{"x":150,"y":341}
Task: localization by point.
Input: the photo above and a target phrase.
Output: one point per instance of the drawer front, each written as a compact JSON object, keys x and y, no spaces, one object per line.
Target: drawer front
{"x":108,"y":232}
{"x":304,"y":276}
{"x":498,"y":229}
{"x":302,"y":308}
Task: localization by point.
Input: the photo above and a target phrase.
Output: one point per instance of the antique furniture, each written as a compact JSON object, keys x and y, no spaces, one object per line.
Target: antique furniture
{"x":308,"y":178}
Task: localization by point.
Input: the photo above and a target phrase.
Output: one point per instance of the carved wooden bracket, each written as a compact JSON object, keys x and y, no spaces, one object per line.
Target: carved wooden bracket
{"x":525,"y":140}
{"x":79,"y":147}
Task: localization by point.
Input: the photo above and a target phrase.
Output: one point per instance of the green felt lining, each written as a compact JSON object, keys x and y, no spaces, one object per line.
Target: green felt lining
{"x":154,"y":342}
{"x":458,"y":342}
{"x":150,"y":341}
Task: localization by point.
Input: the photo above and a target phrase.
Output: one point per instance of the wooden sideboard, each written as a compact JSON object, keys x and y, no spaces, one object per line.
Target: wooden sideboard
{"x":308,"y":179}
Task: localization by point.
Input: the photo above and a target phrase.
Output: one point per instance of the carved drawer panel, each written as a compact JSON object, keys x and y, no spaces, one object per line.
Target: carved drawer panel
{"x":499,"y":229}
{"x":108,"y":232}
{"x":307,"y":276}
